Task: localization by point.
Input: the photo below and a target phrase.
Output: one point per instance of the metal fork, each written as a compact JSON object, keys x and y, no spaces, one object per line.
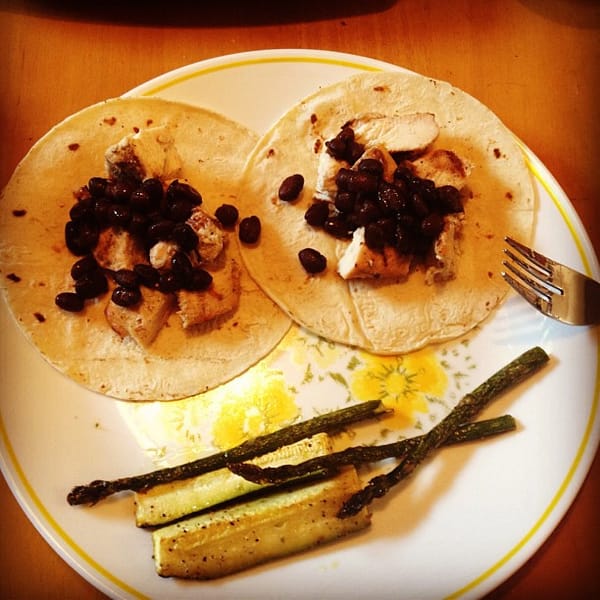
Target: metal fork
{"x":554,"y":289}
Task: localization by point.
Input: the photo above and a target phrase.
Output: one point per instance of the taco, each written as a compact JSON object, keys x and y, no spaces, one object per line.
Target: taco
{"x":186,"y":320}
{"x":332,"y":275}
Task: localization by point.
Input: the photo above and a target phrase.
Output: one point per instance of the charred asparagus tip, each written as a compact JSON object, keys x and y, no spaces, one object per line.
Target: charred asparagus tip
{"x":89,"y":494}
{"x":516,"y":371}
{"x":327,"y":422}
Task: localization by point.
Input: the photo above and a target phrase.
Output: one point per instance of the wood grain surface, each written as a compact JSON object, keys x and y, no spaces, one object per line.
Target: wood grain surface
{"x":534,"y":62}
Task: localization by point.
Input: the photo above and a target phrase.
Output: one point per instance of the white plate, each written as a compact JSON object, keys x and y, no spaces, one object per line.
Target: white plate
{"x":467,"y":520}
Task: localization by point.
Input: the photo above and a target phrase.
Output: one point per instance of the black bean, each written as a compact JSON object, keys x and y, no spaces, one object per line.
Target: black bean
{"x":97,"y":186}
{"x":367,"y":212}
{"x":83,"y":266}
{"x":119,"y":215}
{"x":354,"y":151}
{"x":138,"y":225}
{"x":406,"y":213}
{"x":405,"y":240}
{"x":291,"y":187}
{"x":154,"y":216}
{"x":181,"y":265}
{"x":338,"y":227}
{"x":249,"y":230}
{"x":427,"y":188}
{"x":154,"y":189}
{"x":316,"y":214}
{"x":161,"y":230}
{"x":83,"y":193}
{"x":119,"y":190}
{"x":418,"y":205}
{"x":126,"y":278}
{"x":140,"y":200}
{"x":126,"y":297}
{"x":352,"y":222}
{"x":147,"y":274}
{"x":391,"y":199}
{"x":344,"y":201}
{"x":375,"y":238}
{"x":403,"y":173}
{"x":346,"y":134}
{"x":102,"y":208}
{"x":432,"y":225}
{"x":169,"y":281}
{"x":199,"y":280}
{"x":81,"y":236}
{"x":344,"y":147}
{"x":185,"y":236}
{"x":69,"y":301}
{"x":336,"y":147}
{"x":349,"y":180}
{"x":388,"y":226}
{"x":91,"y":284}
{"x":227,"y":214}
{"x":449,"y":199}
{"x":83,"y":209}
{"x":179,"y":190}
{"x":371,"y":165}
{"x":342,"y":177}
{"x":179,"y":210}
{"x":312,"y":260}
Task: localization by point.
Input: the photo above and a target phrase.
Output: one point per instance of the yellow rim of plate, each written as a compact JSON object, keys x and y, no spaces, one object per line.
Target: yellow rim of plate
{"x":590,"y":423}
{"x":580,"y":247}
{"x":159,"y":87}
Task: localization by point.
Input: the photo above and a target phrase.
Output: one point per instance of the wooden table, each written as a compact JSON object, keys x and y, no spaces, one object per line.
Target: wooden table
{"x":534,"y":62}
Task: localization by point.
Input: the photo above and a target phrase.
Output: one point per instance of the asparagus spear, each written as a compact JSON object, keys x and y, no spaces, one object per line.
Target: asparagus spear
{"x":99,"y":489}
{"x":516,"y":371}
{"x":356,"y":455}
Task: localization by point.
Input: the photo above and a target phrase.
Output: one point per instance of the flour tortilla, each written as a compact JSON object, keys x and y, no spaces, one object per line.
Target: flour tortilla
{"x":179,"y":363}
{"x":386,"y":317}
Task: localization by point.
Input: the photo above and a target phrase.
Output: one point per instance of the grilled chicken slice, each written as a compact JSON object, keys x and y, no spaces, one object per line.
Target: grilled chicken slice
{"x":360,"y":262}
{"x":325,"y":187}
{"x":211,"y":242}
{"x":117,"y":249}
{"x":398,"y":133}
{"x":161,"y":253}
{"x":211,"y":238}
{"x":143,"y":321}
{"x":446,"y":251}
{"x":222,"y":296}
{"x":380,"y":135}
{"x":441,"y":166}
{"x":149,"y":153}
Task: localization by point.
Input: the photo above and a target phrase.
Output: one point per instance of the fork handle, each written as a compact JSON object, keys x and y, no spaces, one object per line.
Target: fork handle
{"x":592,"y":301}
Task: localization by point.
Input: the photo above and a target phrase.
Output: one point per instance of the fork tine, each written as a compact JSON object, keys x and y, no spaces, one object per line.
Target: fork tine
{"x":531,"y":285}
{"x":527,"y":293}
{"x":539,"y":275}
{"x":539,"y":260}
{"x":554,"y":289}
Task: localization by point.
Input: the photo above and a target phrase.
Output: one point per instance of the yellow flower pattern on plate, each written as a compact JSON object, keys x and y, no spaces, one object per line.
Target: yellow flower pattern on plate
{"x":265,"y":405}
{"x":406,"y":384}
{"x":304,"y":375}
